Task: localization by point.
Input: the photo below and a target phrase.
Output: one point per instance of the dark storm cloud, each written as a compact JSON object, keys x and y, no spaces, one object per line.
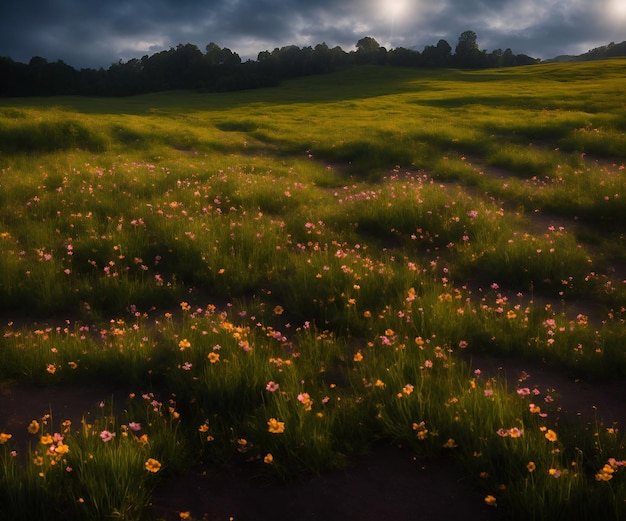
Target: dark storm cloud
{"x":90,"y":33}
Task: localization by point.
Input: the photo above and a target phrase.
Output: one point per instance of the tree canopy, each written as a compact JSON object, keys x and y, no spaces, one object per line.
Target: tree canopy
{"x":220,"y":69}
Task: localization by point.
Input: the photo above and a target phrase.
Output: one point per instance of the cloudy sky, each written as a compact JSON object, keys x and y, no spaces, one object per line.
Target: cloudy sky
{"x":95,"y":33}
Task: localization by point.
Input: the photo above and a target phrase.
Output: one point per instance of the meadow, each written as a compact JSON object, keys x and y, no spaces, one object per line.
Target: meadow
{"x":281,"y":279}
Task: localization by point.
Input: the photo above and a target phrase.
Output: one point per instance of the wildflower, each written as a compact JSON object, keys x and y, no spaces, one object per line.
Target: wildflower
{"x":531,"y":466}
{"x":278,"y":310}
{"x":272,"y":387}
{"x":450,"y":444}
{"x":61,"y":449}
{"x":106,"y":436}
{"x":213,"y":357}
{"x":153,"y":465}
{"x":184,"y":515}
{"x":510,"y":314}
{"x":51,"y":368}
{"x":143,"y":439}
{"x":268,"y":459}
{"x":358,"y":356}
{"x":33,"y":427}
{"x":534,"y":409}
{"x":4,"y":437}
{"x":490,"y":500}
{"x":407,"y":389}
{"x":606,"y":474}
{"x":551,"y":435}
{"x":46,"y":439}
{"x":185,"y":306}
{"x":305,"y":400}
{"x":428,"y":364}
{"x":515,"y":432}
{"x":379,"y":383}
{"x":275,"y":427}
{"x":555,"y":473}
{"x":134,"y":426}
{"x":420,"y":428}
{"x":184,"y":344}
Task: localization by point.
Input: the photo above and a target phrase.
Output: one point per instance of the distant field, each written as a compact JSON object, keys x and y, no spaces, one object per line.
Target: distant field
{"x":282,"y":278}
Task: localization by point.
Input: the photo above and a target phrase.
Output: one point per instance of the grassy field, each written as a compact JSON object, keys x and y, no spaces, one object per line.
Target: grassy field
{"x":282,"y":278}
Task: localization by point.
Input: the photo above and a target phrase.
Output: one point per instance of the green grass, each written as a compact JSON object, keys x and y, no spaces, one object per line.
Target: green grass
{"x":282,"y":278}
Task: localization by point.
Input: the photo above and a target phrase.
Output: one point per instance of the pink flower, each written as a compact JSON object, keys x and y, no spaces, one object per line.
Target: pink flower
{"x":272,"y":387}
{"x":107,"y":436}
{"x":134,"y":426}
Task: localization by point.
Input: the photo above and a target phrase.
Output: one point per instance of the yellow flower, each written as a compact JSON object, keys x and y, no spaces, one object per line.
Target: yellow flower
{"x":184,"y":344}
{"x":153,"y":465}
{"x":51,"y":368}
{"x":551,"y":435}
{"x":510,"y":314}
{"x":38,"y":460}
{"x":185,"y":306}
{"x":213,"y":357}
{"x":46,"y":439}
{"x":490,"y":500}
{"x":531,"y":466}
{"x":184,"y":515}
{"x":33,"y":427}
{"x":358,"y":356}
{"x":4,"y":437}
{"x":379,"y":383}
{"x":62,"y":449}
{"x":275,"y":427}
{"x":269,"y":459}
{"x":203,"y":428}
{"x":278,"y":310}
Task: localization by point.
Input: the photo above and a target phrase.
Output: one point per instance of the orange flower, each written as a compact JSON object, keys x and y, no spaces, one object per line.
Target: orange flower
{"x":275,"y":427}
{"x":490,"y":500}
{"x":551,"y":435}
{"x":184,"y":344}
{"x":4,"y":437}
{"x":33,"y":427}
{"x":153,"y":465}
{"x":213,"y":357}
{"x":269,"y":459}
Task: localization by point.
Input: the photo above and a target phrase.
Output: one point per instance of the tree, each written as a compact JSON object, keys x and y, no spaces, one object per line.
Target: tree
{"x":367,"y":45}
{"x":369,"y":51}
{"x":437,"y":56}
{"x":467,"y":54}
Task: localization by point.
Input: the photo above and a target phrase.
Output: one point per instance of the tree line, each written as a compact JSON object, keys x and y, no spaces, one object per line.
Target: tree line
{"x":220,"y":69}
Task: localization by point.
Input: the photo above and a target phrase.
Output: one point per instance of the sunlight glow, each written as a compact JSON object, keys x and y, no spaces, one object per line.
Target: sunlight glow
{"x":616,"y":10}
{"x":394,"y":8}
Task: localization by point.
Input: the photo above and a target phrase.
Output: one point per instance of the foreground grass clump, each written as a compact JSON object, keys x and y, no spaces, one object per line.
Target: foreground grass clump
{"x":281,"y":279}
